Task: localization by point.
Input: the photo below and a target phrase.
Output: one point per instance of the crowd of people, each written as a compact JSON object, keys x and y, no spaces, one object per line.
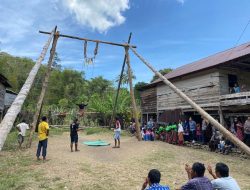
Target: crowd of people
{"x":194,"y":132}
{"x":196,"y":179}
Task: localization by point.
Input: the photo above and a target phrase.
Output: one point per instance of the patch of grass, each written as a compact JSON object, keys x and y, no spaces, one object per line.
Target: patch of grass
{"x":15,"y":171}
{"x":11,"y":143}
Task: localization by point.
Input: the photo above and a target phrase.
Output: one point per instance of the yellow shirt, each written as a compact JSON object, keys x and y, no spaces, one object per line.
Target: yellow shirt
{"x":43,"y":127}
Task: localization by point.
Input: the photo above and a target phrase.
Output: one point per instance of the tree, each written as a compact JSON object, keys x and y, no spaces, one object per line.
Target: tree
{"x":163,"y":72}
{"x":56,"y":63}
{"x":125,"y":79}
{"x":137,"y":88}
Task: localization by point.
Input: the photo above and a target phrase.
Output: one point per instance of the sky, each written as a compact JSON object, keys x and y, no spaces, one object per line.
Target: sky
{"x":167,"y":33}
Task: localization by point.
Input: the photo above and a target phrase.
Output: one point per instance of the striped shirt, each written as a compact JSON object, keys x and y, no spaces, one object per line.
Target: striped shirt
{"x":198,"y":183}
{"x":157,"y":186}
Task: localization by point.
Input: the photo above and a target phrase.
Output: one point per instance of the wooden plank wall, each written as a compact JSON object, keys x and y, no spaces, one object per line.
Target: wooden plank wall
{"x":202,"y":87}
{"x":2,"y":94}
{"x":148,"y":100}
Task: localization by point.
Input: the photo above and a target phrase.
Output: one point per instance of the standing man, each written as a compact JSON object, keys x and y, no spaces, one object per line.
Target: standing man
{"x":117,"y":131}
{"x":192,"y":126}
{"x":43,"y":133}
{"x":74,"y":128}
{"x":222,"y":180}
{"x":21,"y":127}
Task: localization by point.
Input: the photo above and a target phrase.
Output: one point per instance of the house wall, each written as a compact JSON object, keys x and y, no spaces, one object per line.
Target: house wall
{"x":148,"y":100}
{"x":243,"y":78}
{"x":2,"y":94}
{"x":202,"y":87}
{"x":8,"y":99}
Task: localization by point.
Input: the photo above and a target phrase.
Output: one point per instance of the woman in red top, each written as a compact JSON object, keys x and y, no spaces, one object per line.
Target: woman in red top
{"x":239,"y":130}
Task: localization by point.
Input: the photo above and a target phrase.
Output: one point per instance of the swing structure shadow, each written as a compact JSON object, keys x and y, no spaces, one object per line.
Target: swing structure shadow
{"x":10,"y":116}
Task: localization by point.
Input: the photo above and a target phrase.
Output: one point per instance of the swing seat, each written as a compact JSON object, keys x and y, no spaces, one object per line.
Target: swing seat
{"x":96,"y":143}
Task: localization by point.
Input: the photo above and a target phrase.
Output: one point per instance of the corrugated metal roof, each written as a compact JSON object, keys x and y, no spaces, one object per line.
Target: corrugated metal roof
{"x":211,"y":61}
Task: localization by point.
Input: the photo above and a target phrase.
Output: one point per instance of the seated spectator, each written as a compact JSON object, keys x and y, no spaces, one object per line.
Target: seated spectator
{"x":152,"y":135}
{"x":143,"y":131}
{"x":198,"y":133}
{"x":153,"y":181}
{"x":221,"y":145}
{"x":222,"y":180}
{"x":214,"y":141}
{"x":147,"y":135}
{"x":236,"y":88}
{"x":196,"y":178}
{"x":228,"y":147}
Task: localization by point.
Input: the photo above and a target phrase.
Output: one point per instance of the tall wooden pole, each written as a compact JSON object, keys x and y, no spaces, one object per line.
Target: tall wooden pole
{"x":10,"y":117}
{"x":44,"y":88}
{"x":138,"y":131}
{"x":215,"y":123}
{"x":119,"y":84}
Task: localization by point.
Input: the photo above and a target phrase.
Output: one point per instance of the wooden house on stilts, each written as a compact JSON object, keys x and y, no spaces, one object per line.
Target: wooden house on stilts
{"x":209,"y":82}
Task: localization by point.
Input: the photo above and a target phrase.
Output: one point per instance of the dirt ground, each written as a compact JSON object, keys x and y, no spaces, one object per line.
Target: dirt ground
{"x":124,"y":168}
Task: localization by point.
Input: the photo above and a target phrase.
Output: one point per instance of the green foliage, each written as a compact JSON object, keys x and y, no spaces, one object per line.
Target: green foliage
{"x":163,"y":72}
{"x":66,"y":89}
{"x":137,"y":88}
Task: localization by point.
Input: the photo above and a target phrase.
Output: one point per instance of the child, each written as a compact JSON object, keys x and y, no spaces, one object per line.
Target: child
{"x":147,"y":135}
{"x":143,"y":131}
{"x":221,"y":145}
{"x":198,"y":132}
{"x":117,"y":131}
{"x":152,"y":135}
{"x":74,"y":128}
{"x":180,"y":133}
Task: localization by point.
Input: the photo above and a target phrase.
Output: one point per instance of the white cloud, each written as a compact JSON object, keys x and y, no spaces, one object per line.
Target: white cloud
{"x":99,"y":15}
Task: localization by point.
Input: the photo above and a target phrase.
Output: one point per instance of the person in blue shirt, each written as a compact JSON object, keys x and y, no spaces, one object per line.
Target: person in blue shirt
{"x":236,"y":88}
{"x":153,"y":181}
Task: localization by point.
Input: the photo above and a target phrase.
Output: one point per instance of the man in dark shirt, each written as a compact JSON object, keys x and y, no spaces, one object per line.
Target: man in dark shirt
{"x":196,"y":178}
{"x":74,"y":127}
{"x":81,"y":108}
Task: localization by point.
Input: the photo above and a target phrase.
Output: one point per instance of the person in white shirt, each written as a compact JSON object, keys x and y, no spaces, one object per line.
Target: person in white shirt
{"x":21,"y":127}
{"x":222,"y":180}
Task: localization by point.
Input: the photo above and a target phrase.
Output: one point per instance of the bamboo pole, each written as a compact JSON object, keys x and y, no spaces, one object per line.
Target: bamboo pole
{"x":90,"y":40}
{"x":215,"y":123}
{"x":119,"y":84}
{"x":138,"y":131}
{"x":44,"y":88}
{"x":10,"y":117}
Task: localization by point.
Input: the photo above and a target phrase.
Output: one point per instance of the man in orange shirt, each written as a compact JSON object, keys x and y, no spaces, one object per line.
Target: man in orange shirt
{"x":43,"y":132}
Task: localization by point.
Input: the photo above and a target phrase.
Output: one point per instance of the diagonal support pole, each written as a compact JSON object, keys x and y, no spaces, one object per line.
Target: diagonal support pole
{"x":43,"y":91}
{"x":10,"y":117}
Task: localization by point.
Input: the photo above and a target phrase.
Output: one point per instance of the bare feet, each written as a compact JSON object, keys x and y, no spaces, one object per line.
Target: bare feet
{"x":38,"y":158}
{"x":77,"y":150}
